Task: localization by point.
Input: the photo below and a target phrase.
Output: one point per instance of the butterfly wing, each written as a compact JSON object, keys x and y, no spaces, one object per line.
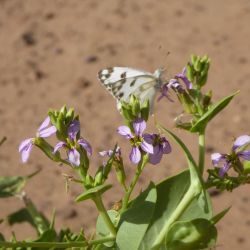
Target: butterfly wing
{"x":121,"y":82}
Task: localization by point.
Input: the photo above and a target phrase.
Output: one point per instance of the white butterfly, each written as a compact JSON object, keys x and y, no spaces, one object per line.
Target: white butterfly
{"x":121,"y":82}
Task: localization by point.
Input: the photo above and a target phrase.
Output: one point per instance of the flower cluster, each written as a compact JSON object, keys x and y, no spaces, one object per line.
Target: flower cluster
{"x":71,"y":144}
{"x":153,"y":144}
{"x":235,"y":158}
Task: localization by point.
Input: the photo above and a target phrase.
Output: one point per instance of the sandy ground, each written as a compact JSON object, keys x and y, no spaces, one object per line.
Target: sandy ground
{"x":50,"y":54}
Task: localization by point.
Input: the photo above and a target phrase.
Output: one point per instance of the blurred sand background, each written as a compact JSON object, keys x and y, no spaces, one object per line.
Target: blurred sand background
{"x":50,"y":53}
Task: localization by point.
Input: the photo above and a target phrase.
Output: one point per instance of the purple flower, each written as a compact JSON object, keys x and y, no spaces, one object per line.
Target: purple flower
{"x":110,"y":152}
{"x":161,"y":146}
{"x":137,"y":141}
{"x":164,"y":92}
{"x":184,"y":78}
{"x":238,"y":153}
{"x":73,"y":154}
{"x":43,"y":131}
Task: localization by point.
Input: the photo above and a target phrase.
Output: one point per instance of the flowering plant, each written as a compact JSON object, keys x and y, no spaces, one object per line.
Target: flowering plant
{"x":175,"y":214}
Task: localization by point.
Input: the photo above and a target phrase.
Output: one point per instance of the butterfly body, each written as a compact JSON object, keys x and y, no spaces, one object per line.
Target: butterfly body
{"x":121,"y":82}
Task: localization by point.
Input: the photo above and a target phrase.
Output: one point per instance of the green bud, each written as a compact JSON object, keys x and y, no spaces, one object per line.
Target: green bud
{"x":193,"y":59}
{"x":246,"y":166}
{"x":89,"y":181}
{"x":99,"y":177}
{"x":136,"y":107}
{"x":63,"y":110}
{"x":120,"y":173}
{"x":187,"y":103}
{"x":145,"y":110}
{"x":190,"y":72}
{"x":207,"y":100}
{"x":70,"y":114}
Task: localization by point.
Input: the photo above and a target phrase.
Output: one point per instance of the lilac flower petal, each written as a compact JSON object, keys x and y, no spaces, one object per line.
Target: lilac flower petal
{"x":241,"y":141}
{"x":166,"y":148}
{"x":25,"y":149}
{"x":74,"y":157}
{"x":125,"y":131}
{"x":44,"y":124}
{"x":217,"y":157}
{"x":104,"y":153}
{"x":139,"y":126}
{"x":135,"y":155}
{"x":156,"y":157}
{"x":24,"y":144}
{"x":146,"y":147}
{"x":73,"y":129}
{"x":149,"y":138}
{"x":245,"y":155}
{"x":164,"y":93}
{"x":184,"y":78}
{"x":86,"y":145}
{"x":46,"y":132}
{"x":224,"y":169}
{"x":58,"y":146}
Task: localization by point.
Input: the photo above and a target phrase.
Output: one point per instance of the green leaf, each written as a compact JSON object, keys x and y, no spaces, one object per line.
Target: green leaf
{"x":101,"y":228}
{"x":220,"y":215}
{"x":135,"y":220}
{"x":170,"y":193}
{"x":12,"y":185}
{"x":22,"y":215}
{"x":38,"y":219}
{"x":93,"y":191}
{"x":191,"y":235}
{"x":211,"y":113}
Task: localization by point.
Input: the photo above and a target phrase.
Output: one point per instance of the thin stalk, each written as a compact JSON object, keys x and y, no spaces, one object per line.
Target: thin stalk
{"x":103,"y":212}
{"x":139,"y":169}
{"x":182,"y":206}
{"x":201,"y":151}
{"x":13,"y":245}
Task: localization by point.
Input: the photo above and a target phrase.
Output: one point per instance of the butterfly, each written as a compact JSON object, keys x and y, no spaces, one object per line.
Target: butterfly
{"x":121,"y":82}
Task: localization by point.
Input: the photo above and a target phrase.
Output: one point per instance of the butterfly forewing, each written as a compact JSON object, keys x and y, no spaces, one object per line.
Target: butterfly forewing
{"x":121,"y":82}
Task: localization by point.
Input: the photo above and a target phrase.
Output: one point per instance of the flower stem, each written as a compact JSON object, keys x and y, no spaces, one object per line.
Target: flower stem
{"x":103,"y":212}
{"x":201,"y":151}
{"x":184,"y":203}
{"x":139,"y":169}
{"x":51,"y":245}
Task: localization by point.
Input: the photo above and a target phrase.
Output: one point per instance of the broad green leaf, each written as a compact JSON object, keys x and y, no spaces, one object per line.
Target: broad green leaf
{"x":135,"y":220}
{"x":12,"y":185}
{"x":211,"y":113}
{"x":170,"y":193}
{"x":93,"y":191}
{"x":191,"y":235}
{"x":101,"y":228}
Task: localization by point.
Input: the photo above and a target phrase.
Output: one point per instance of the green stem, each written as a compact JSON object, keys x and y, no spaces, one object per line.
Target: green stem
{"x":103,"y":212}
{"x":139,"y":169}
{"x":185,"y":202}
{"x":201,"y":151}
{"x":13,"y":245}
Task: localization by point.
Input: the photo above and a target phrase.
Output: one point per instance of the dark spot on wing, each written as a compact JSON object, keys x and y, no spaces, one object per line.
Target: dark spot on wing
{"x":123,"y":75}
{"x":107,"y":76}
{"x":121,"y":95}
{"x":132,"y":83}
